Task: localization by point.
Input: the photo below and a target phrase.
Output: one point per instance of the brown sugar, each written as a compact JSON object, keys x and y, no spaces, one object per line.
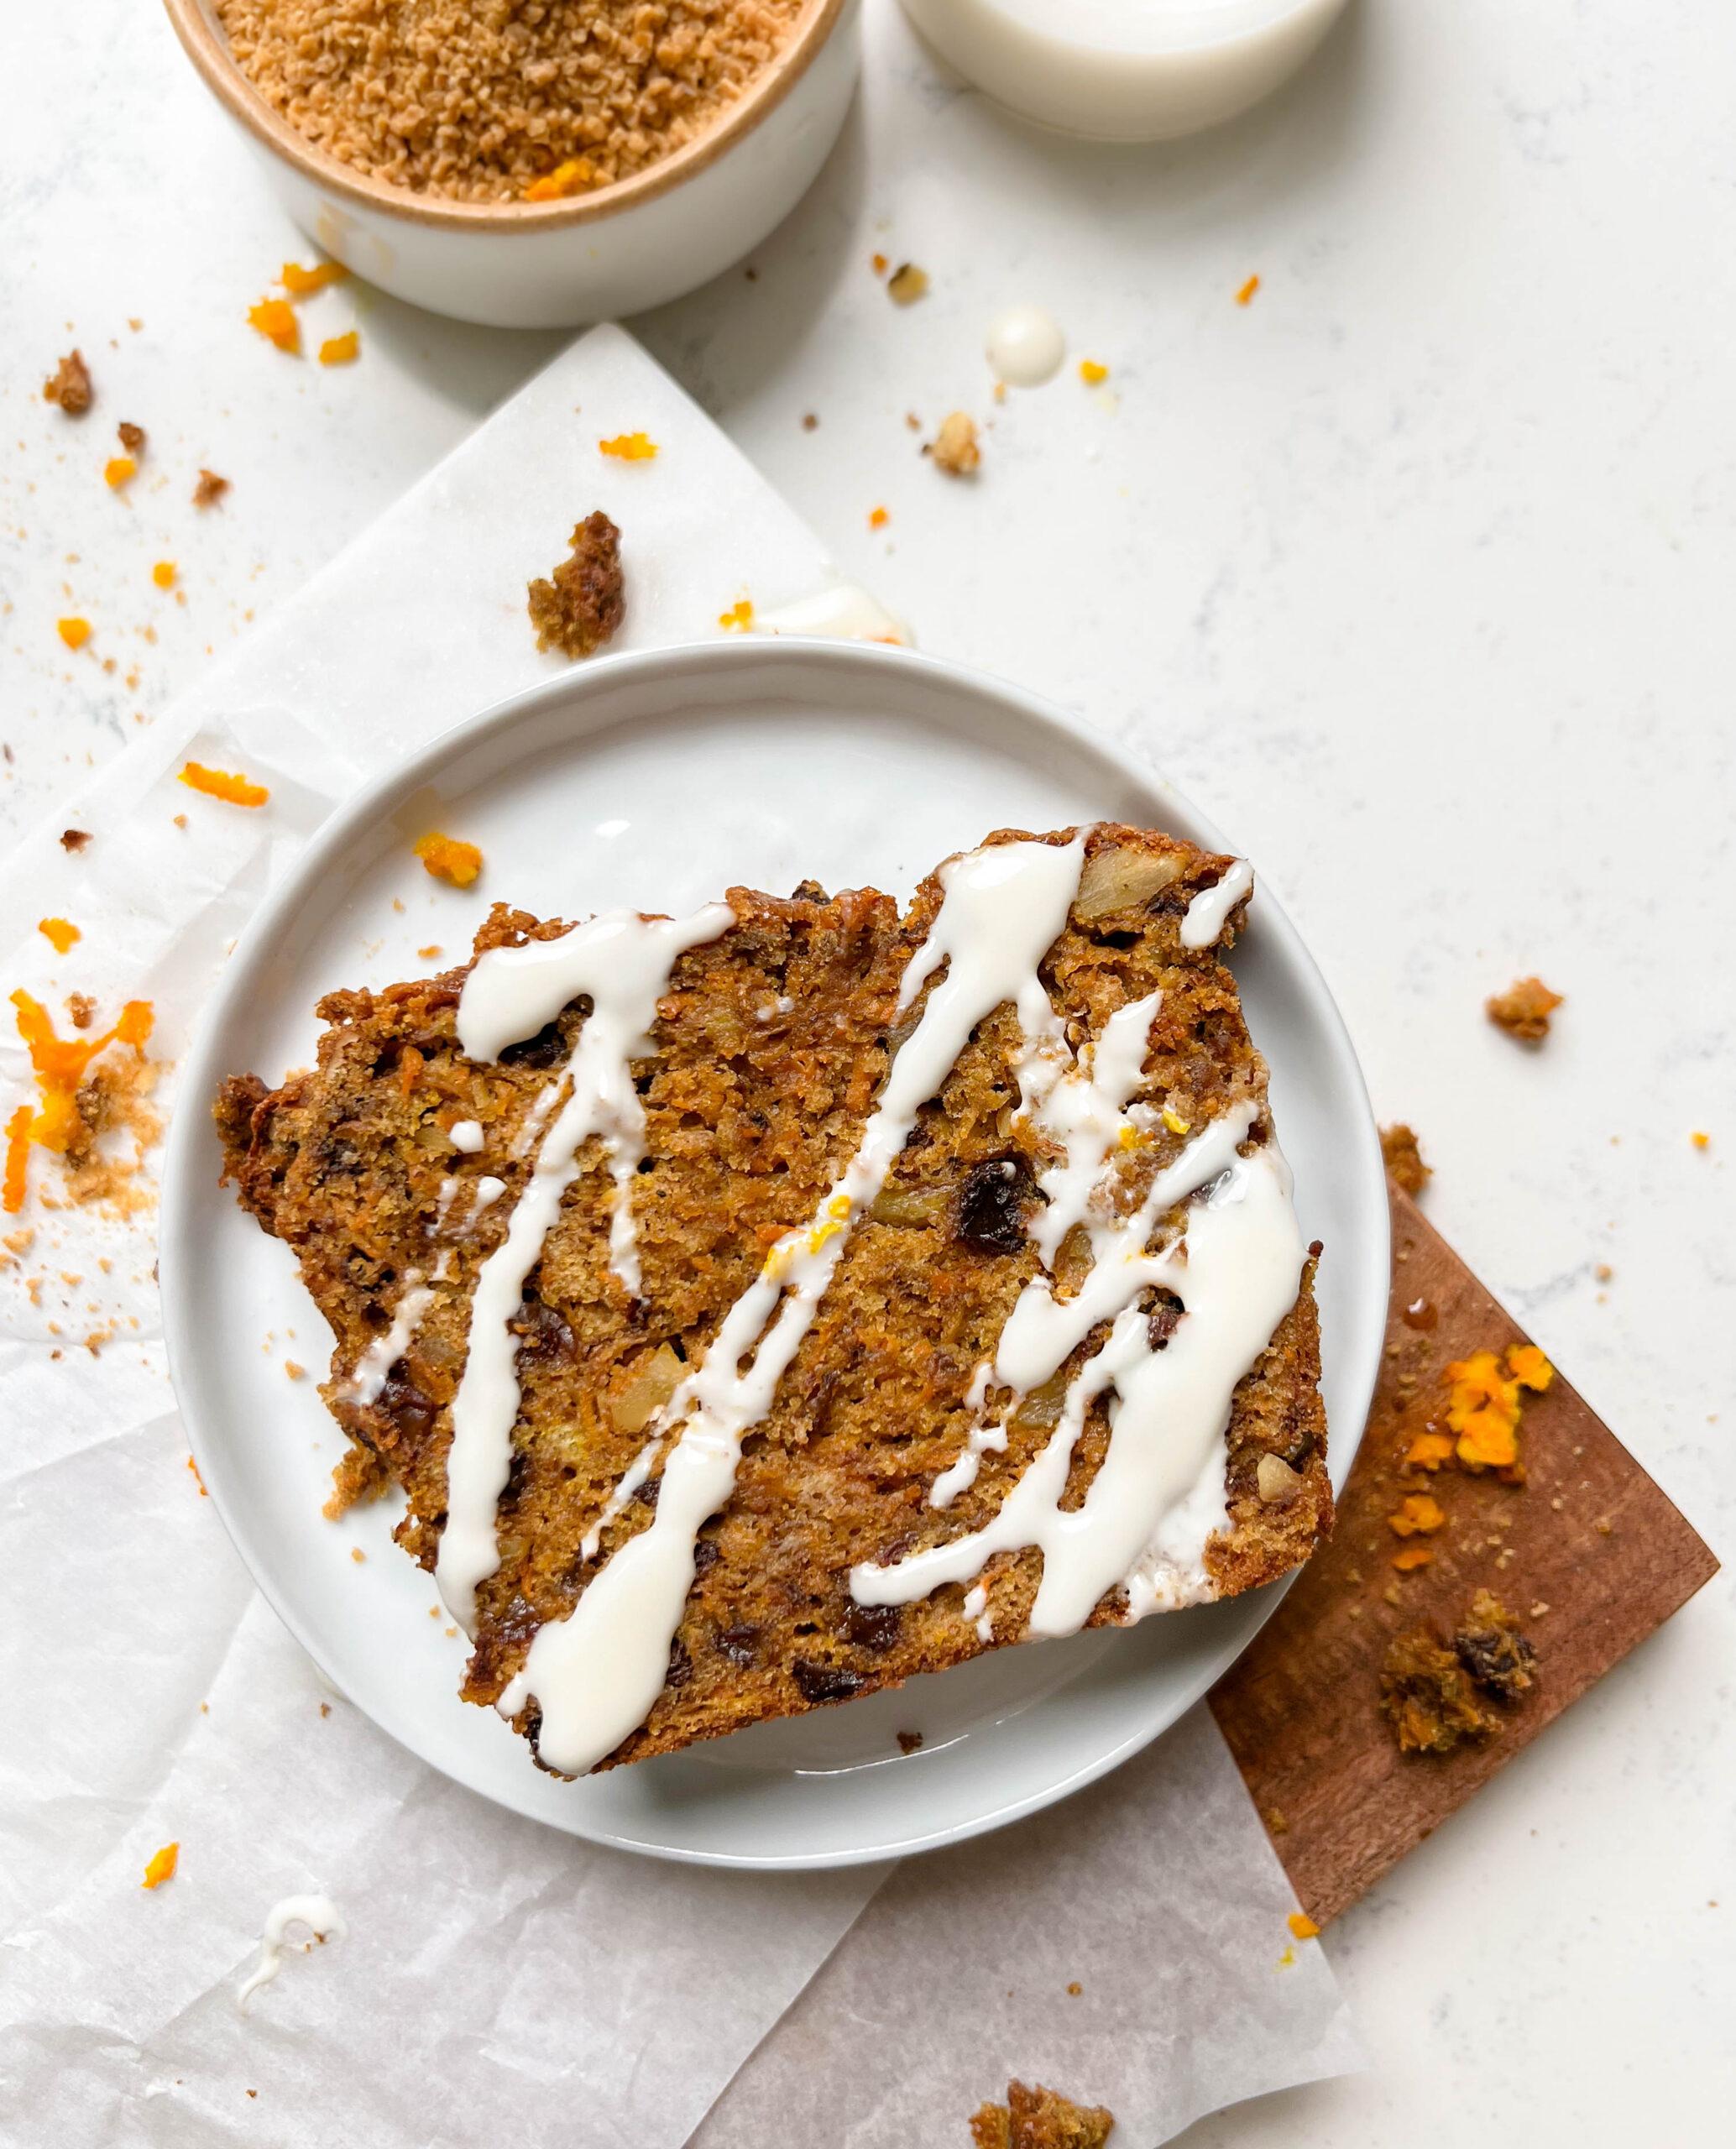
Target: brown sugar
{"x":1523,"y":1010}
{"x":69,"y":386}
{"x":956,"y":448}
{"x":1040,"y":2119}
{"x":1403,"y":1158}
{"x":577,"y":608}
{"x":489,"y":103}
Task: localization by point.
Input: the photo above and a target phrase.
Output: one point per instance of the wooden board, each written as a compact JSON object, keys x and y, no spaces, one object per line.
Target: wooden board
{"x":1589,"y":1556}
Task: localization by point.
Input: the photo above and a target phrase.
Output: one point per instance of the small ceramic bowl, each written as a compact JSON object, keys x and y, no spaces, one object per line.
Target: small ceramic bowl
{"x":1125,"y":70}
{"x":527,"y":265}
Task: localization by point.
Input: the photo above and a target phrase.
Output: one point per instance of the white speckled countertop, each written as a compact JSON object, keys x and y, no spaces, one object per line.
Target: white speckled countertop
{"x":1416,"y":572}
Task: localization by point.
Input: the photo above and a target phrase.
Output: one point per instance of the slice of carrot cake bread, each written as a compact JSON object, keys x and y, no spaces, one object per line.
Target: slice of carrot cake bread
{"x":760,"y":1307}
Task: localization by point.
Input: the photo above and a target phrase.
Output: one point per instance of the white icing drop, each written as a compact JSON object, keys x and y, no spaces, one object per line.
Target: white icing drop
{"x":844,"y":611}
{"x":1025,"y":345}
{"x":597,"y":1673}
{"x":466,"y":1135}
{"x":367,"y":1376}
{"x":318,"y":1913}
{"x":622,"y":963}
{"x":1235,"y":1270}
{"x":976,"y":1607}
{"x":1209,"y":912}
{"x":488,"y":1191}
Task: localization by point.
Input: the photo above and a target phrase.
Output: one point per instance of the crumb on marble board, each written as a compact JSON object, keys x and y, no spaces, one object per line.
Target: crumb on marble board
{"x":578,"y":606}
{"x":1404,"y":1156}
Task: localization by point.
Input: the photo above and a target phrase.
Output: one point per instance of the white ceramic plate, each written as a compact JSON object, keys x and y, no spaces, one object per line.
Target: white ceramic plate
{"x":658,"y":781}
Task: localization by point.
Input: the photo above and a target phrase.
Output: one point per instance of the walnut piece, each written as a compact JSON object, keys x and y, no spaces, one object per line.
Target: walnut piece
{"x":69,"y":386}
{"x":955,"y":447}
{"x":580,"y":606}
{"x":1523,"y":1010}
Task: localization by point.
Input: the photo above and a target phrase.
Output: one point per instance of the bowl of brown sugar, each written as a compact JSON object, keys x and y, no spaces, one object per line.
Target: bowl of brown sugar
{"x":532,"y":162}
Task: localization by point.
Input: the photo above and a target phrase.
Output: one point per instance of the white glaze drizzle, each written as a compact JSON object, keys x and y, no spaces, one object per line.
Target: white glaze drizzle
{"x":466,"y":1135}
{"x":623,"y":963}
{"x":976,"y":1608}
{"x":367,"y":1376}
{"x":843,"y":611}
{"x":1235,"y":1268}
{"x":1210,"y":911}
{"x":318,"y":1913}
{"x":596,"y":1674}
{"x":488,"y":1191}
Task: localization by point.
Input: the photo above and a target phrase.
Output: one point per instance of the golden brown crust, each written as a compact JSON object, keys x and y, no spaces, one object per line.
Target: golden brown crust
{"x":770,"y":1046}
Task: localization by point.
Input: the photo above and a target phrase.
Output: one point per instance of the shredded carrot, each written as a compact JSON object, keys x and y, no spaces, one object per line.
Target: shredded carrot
{"x":567,"y":178}
{"x":162,"y":1866}
{"x":1418,"y":1514}
{"x":60,"y":1065}
{"x":197,"y":1479}
{"x":75,"y":633}
{"x":119,"y":470}
{"x":275,"y":320}
{"x":629,"y":448}
{"x":739,"y":617}
{"x":878,"y":518}
{"x":302,"y":283}
{"x":219,"y":783}
{"x":410,"y":1071}
{"x":1412,"y":1557}
{"x":1303,"y":1927}
{"x":1091,"y":373}
{"x":340,"y":350}
{"x":449,"y":860}
{"x":17,"y":1154}
{"x":59,"y":933}
{"x":163,"y":574}
{"x":1245,"y":295}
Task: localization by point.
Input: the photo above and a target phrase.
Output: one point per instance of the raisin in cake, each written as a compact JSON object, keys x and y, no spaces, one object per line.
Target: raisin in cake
{"x":761,"y":1307}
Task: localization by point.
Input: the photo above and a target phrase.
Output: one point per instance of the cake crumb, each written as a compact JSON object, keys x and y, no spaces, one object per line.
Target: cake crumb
{"x":907,"y":284}
{"x":74,"y":838}
{"x":1403,"y":1156}
{"x":1490,"y":1646}
{"x":1302,"y":1926}
{"x":955,"y":447}
{"x":1523,"y":1010}
{"x":577,"y":608}
{"x":909,"y":1742}
{"x":1036,"y":2118}
{"x":210,"y":489}
{"x":294,"y":1372}
{"x":69,"y":385}
{"x":1428,"y":1698}
{"x":810,"y":421}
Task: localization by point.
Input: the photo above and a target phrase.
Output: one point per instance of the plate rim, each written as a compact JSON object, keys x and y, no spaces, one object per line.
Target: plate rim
{"x":371,"y":801}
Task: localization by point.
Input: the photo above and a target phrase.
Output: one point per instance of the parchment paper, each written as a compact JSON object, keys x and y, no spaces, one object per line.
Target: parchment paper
{"x":498,"y":1981}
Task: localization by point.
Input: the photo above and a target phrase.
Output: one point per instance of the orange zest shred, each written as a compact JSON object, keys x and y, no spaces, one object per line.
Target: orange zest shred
{"x":17,"y":1154}
{"x":302,"y":283}
{"x":1530,"y":1367}
{"x":1303,"y":1927}
{"x":1700,"y":1138}
{"x":340,"y":350}
{"x":119,"y":470}
{"x":567,"y":178}
{"x":1418,"y":1514}
{"x":448,"y":860}
{"x":60,"y":1065}
{"x":629,"y":448}
{"x":878,"y":518}
{"x":162,"y":1866}
{"x":275,"y":320}
{"x":220,"y":783}
{"x":739,"y":618}
{"x":163,"y":574}
{"x":1429,"y":1452}
{"x":197,"y":1479}
{"x":1412,"y":1557}
{"x":75,"y":633}
{"x":1245,"y":295}
{"x":59,"y":933}
{"x":1484,"y":1404}
{"x":1092,"y":373}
